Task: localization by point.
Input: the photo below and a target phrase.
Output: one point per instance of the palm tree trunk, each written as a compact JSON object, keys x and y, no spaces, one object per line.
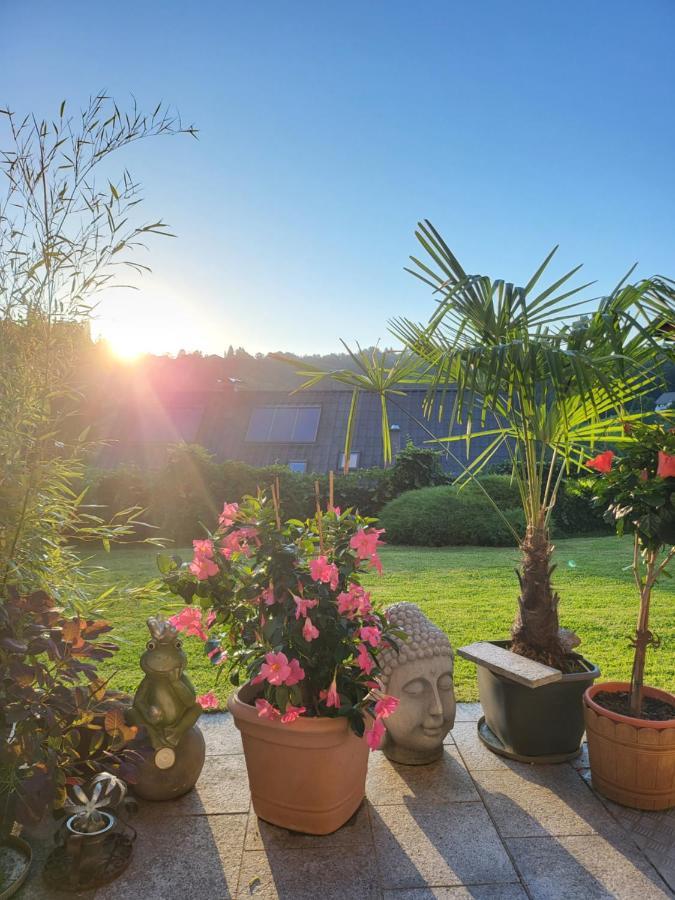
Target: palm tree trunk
{"x":535,"y":633}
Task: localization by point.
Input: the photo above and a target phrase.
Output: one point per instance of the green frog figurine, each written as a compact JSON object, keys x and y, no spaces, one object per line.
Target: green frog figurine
{"x":165,"y":704}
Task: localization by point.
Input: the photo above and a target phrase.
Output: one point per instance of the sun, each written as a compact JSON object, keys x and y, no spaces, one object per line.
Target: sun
{"x":125,"y":347}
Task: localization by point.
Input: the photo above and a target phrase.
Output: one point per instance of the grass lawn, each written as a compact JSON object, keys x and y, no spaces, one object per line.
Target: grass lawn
{"x":470,"y":592}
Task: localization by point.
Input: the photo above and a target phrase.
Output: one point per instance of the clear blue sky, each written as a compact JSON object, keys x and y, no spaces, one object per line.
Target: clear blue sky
{"x":328,"y":129}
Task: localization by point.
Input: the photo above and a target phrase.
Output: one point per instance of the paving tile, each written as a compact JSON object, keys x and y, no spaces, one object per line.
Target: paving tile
{"x":355,"y":833}
{"x":438,"y":846}
{"x":536,"y":801}
{"x":653,"y":832}
{"x":475,"y":892}
{"x":221,"y":734}
{"x":181,"y":858}
{"x":587,"y":867}
{"x":442,"y":781}
{"x":222,"y":788}
{"x":303,"y":875}
{"x":468,"y":712}
{"x":474,"y":753}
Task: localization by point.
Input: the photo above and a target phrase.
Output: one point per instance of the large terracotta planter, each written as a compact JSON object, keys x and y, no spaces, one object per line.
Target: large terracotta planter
{"x":632,"y":760}
{"x":308,"y":775}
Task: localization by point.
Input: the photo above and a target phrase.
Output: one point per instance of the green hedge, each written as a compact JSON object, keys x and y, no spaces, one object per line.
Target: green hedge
{"x":446,"y":516}
{"x":188,"y":492}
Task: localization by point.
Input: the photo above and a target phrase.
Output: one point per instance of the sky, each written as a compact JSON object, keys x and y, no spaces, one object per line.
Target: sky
{"x":327,"y":130}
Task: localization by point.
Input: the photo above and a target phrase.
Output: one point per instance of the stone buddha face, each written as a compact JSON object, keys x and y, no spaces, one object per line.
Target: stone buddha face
{"x":426,"y":711}
{"x":421,"y":676}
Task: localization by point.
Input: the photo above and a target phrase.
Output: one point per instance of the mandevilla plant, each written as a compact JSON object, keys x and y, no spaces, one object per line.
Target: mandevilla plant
{"x":285,"y":607}
{"x":637,"y":490}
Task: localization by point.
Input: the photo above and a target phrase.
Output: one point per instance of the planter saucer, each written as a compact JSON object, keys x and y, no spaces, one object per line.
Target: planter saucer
{"x":492,"y":742}
{"x":60,"y":874}
{"x":22,"y":853}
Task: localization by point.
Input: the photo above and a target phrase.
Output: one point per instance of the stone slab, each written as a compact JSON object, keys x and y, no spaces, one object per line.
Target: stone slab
{"x":653,"y":832}
{"x":587,"y":867}
{"x":473,"y":751}
{"x":547,"y":800}
{"x":443,"y":781}
{"x":220,"y":734}
{"x":222,"y":788}
{"x":518,"y":668}
{"x":307,"y":875}
{"x":438,"y":846}
{"x":181,"y":859}
{"x":468,"y":712}
{"x":475,"y":892}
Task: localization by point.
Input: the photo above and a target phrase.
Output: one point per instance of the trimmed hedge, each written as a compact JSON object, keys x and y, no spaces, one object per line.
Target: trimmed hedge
{"x":188,"y":492}
{"x":446,"y":516}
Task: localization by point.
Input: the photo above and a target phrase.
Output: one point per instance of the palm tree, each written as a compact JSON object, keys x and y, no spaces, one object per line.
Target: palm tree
{"x":555,"y":382}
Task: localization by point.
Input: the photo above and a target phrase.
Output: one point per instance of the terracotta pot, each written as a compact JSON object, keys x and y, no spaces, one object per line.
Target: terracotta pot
{"x":632,"y":760}
{"x":308,"y":775}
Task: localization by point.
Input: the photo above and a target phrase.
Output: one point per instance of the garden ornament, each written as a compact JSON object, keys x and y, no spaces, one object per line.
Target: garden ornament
{"x":165,"y":704}
{"x":420,"y":674}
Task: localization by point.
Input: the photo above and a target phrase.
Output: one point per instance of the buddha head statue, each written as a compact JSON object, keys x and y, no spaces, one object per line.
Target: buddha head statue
{"x":420,"y":675}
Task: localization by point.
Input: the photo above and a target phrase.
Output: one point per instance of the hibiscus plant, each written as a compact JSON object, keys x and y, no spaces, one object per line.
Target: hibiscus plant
{"x":637,"y":491}
{"x":281,"y":605}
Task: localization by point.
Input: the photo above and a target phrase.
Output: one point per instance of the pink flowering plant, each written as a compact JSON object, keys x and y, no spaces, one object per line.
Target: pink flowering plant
{"x":282,"y":606}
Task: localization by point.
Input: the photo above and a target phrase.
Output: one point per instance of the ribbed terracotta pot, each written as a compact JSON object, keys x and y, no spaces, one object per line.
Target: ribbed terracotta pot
{"x":308,"y":775}
{"x":632,"y":760}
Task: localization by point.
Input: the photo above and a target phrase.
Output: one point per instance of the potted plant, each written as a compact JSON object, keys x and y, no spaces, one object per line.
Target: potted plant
{"x":287,"y":614}
{"x":525,"y":379}
{"x":630,"y":727}
{"x":58,"y":723}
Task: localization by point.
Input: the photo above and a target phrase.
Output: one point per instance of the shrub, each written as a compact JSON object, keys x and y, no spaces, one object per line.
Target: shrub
{"x":444,"y":516}
{"x":501,"y":488}
{"x":416,"y":467}
{"x":575,"y":512}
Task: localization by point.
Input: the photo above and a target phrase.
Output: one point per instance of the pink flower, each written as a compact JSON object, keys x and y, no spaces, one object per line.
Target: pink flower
{"x":602,"y":462}
{"x":302,"y":605}
{"x":268,"y":596}
{"x":232,"y":543}
{"x":353,"y":602}
{"x":375,"y":735}
{"x":203,"y":564}
{"x":275,"y":669}
{"x":332,"y":696}
{"x":228,"y":514}
{"x":210,"y":618}
{"x":292,"y":713}
{"x":385,"y":706}
{"x":365,"y":660}
{"x":297,"y":673}
{"x":376,"y":563}
{"x":189,"y":620}
{"x":266,"y":710}
{"x":321,"y":570}
{"x":208,"y":701}
{"x":203,"y":548}
{"x":366,"y":542}
{"x":309,"y":631}
{"x":250,"y":533}
{"x":666,"y":467}
{"x":371,"y":635}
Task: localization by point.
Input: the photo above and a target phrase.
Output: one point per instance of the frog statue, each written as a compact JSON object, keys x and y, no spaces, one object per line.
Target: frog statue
{"x":165,"y":705}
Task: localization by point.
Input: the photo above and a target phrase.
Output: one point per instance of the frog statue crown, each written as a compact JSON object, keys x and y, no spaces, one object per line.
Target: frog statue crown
{"x":161,"y":630}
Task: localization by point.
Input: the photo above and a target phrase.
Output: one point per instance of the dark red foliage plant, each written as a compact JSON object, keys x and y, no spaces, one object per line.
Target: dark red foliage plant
{"x":58,"y":723}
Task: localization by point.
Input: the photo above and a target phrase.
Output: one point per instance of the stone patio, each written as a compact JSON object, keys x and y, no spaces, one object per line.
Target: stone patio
{"x":472,"y":825}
